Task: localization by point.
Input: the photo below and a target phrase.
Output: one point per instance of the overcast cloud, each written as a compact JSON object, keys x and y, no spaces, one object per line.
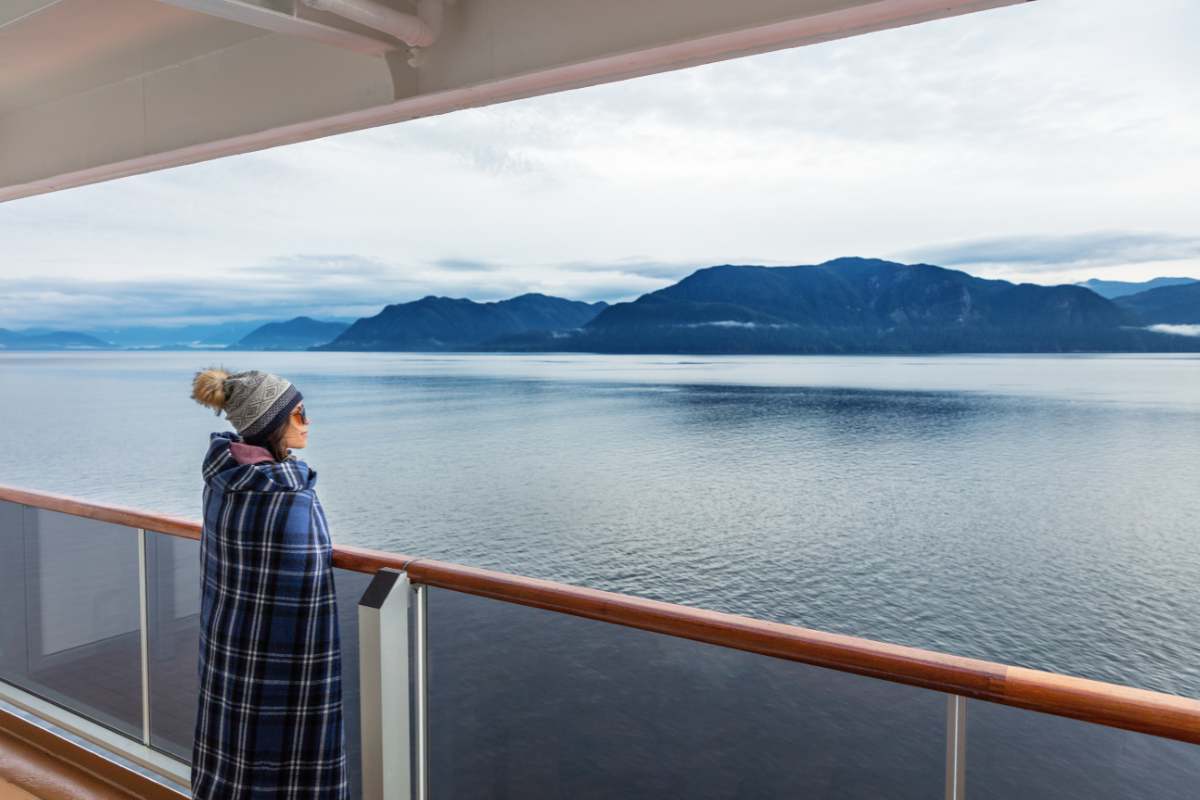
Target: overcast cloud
{"x":1029,"y":255}
{"x":1051,"y":141}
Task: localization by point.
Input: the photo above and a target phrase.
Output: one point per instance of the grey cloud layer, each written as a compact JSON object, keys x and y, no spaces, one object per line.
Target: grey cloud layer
{"x":1101,"y":249}
{"x":314,"y":285}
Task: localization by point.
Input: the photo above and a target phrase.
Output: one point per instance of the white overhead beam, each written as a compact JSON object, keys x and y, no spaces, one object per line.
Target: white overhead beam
{"x":13,"y":11}
{"x":274,"y":89}
{"x":324,"y":28}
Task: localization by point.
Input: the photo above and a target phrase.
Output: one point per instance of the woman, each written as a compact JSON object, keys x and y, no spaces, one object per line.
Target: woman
{"x":269,"y":722}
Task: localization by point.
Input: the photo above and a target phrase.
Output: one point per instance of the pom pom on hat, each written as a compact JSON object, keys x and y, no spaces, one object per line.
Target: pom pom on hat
{"x":208,"y":388}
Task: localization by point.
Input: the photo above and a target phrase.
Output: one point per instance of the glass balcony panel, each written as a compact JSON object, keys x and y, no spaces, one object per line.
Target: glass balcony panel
{"x":14,"y":648}
{"x":79,"y":615}
{"x":173,"y":617}
{"x":530,"y":703}
{"x":1016,"y":753}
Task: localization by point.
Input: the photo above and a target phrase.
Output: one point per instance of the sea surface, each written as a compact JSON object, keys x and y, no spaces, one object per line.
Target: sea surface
{"x":1042,"y":511}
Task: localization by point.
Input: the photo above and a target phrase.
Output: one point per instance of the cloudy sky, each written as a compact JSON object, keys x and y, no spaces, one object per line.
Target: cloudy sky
{"x":1049,"y":142}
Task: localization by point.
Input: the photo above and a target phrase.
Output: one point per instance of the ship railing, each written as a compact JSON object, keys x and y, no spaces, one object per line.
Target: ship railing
{"x":476,"y":682}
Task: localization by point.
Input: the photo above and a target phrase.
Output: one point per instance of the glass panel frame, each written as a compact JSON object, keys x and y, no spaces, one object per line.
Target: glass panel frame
{"x":81,"y":616}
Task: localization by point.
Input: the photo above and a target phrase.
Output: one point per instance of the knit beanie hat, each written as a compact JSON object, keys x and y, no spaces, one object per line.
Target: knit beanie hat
{"x":254,"y":402}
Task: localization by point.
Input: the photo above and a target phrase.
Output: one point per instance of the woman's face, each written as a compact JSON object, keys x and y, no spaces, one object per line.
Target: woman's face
{"x":297,"y":435}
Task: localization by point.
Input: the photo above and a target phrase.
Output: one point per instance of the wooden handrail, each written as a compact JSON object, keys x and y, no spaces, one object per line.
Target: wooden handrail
{"x":1140,"y":710}
{"x":132,"y":517}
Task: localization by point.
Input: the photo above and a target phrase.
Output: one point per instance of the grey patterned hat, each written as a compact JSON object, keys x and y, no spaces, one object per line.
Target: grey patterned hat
{"x":257,"y":402}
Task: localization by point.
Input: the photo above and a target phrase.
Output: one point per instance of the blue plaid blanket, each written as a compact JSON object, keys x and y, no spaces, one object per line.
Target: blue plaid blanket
{"x":269,"y":722}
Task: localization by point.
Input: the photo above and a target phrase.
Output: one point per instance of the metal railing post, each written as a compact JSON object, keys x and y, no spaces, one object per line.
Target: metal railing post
{"x":956,"y":747}
{"x":383,"y":648}
{"x":144,"y":645}
{"x":421,"y":689}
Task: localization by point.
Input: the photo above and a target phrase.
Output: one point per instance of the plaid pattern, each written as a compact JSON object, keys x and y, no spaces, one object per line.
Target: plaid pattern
{"x":269,"y":723}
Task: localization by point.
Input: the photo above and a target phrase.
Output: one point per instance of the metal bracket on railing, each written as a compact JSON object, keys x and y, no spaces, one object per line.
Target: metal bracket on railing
{"x":956,"y":747}
{"x":384,"y":643}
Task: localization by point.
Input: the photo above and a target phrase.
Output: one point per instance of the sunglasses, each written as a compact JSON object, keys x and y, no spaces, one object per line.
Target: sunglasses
{"x":301,"y":413}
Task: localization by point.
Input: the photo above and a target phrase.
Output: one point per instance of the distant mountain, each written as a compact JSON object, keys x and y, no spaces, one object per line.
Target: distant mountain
{"x":178,"y":337}
{"x":53,"y":340}
{"x":33,"y":331}
{"x":856,"y":305}
{"x":299,"y":333}
{"x":1167,"y":305}
{"x":1115,"y":289}
{"x":444,"y":323}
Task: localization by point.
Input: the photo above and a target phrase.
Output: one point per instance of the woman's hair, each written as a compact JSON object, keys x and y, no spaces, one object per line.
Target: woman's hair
{"x":274,"y":440}
{"x":208,"y":388}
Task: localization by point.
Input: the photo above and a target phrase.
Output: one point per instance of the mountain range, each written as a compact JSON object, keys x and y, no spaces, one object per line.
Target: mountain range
{"x":848,"y":305}
{"x":445,"y":323}
{"x":857,"y":305}
{"x":298,"y":333}
{"x":1115,"y":289}
{"x":1167,"y":305}
{"x":196,"y":336}
{"x":50,"y":340}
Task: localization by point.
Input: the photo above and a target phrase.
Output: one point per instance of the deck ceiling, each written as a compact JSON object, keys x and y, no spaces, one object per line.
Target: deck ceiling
{"x":97,"y":89}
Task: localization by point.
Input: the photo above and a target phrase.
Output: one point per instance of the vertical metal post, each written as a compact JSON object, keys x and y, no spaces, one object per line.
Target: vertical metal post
{"x":421,"y":689}
{"x":383,"y":648}
{"x":144,"y":628}
{"x":956,"y":747}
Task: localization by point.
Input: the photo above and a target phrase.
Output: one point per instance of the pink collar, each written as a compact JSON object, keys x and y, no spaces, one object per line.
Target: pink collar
{"x":249,"y":453}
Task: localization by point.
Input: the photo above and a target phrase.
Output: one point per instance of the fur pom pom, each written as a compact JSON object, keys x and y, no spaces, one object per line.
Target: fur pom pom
{"x":208,"y":388}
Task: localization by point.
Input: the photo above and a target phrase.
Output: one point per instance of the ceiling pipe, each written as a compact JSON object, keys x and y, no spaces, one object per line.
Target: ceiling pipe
{"x":415,"y":30}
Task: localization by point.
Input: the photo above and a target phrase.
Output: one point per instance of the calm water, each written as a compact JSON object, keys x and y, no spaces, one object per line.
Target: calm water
{"x":1042,"y":511}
